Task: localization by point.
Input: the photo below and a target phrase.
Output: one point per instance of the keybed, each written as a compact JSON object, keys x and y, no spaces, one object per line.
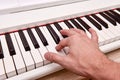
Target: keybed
{"x":24,"y":50}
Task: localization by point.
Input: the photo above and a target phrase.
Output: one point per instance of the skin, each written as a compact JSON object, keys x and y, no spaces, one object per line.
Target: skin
{"x":84,"y":56}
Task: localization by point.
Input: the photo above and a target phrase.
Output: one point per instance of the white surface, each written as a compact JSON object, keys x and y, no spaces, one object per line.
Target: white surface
{"x":13,"y":6}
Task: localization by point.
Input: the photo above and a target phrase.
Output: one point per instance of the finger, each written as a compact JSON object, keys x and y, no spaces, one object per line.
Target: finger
{"x":63,"y":43}
{"x":53,"y":57}
{"x":67,"y":32}
{"x":79,"y":31}
{"x":94,"y":36}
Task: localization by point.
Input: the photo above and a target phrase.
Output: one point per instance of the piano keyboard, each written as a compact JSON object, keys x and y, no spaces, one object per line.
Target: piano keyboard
{"x":27,"y":36}
{"x":24,"y":50}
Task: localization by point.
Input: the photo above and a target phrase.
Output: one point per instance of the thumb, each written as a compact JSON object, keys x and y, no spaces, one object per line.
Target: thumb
{"x":53,"y":57}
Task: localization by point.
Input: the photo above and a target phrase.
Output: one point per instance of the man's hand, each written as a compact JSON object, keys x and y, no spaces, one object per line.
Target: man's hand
{"x":84,"y":57}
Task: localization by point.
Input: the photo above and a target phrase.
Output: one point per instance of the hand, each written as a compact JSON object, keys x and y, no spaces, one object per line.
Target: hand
{"x":84,"y":57}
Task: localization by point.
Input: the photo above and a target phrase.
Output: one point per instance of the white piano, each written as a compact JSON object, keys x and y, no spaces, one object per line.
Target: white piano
{"x":29,"y":30}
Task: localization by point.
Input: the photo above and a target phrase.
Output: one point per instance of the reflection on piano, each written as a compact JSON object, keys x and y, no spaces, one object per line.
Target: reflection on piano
{"x":27,"y":36}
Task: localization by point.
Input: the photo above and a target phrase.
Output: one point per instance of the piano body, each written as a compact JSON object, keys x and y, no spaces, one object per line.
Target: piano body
{"x":27,"y":35}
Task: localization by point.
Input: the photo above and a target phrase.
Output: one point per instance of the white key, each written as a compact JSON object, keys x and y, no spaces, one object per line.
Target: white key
{"x":63,"y":25}
{"x":8,"y":61}
{"x":117,"y":11}
{"x":58,"y":33}
{"x":35,"y":53}
{"x":26,"y":54}
{"x":71,"y":23}
{"x":112,"y":33}
{"x":42,"y":48}
{"x":19,"y":63}
{"x":51,"y":42}
{"x":101,"y":39}
{"x":2,"y":70}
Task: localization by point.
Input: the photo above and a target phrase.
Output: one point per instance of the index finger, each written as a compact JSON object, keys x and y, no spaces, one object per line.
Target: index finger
{"x":69,"y":32}
{"x":63,"y":43}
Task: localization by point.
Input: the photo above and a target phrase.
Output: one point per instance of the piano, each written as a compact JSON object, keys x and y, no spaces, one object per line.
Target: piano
{"x":25,"y":35}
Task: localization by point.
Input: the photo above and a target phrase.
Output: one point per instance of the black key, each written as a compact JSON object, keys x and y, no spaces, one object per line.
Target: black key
{"x":53,"y":33}
{"x":112,"y":16}
{"x":76,"y":24}
{"x":100,"y":21}
{"x":59,"y":28}
{"x":24,"y":41}
{"x":96,"y":24}
{"x":68,"y":24}
{"x":33,"y":39}
{"x":112,"y":21}
{"x":115,"y":13}
{"x":10,"y":44}
{"x":40,"y":34}
{"x":118,"y":9}
{"x":1,"y":51}
{"x":83,"y":23}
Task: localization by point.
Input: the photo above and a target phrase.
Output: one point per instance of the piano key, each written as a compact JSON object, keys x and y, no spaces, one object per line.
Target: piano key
{"x":42,"y":49}
{"x":112,"y":16}
{"x":63,"y":25}
{"x":1,"y":51}
{"x":100,"y":20}
{"x":60,"y":36}
{"x":101,"y":38}
{"x":2,"y":70}
{"x":10,"y":44}
{"x":118,"y":9}
{"x":34,"y":52}
{"x":57,"y":26}
{"x":53,"y":33}
{"x":56,"y":30}
{"x":40,"y":34}
{"x":76,"y":24}
{"x":68,"y":24}
{"x":108,"y":18}
{"x":52,"y":44}
{"x":8,"y":60}
{"x":26,"y":54}
{"x":19,"y":62}
{"x":97,"y":25}
{"x":115,"y":13}
{"x":83,"y":26}
{"x":86,"y":26}
{"x":113,"y":31}
{"x":24,"y":41}
{"x":32,"y":37}
{"x":106,"y":30}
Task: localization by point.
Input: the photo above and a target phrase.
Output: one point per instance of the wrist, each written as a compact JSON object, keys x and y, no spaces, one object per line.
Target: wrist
{"x":109,"y":70}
